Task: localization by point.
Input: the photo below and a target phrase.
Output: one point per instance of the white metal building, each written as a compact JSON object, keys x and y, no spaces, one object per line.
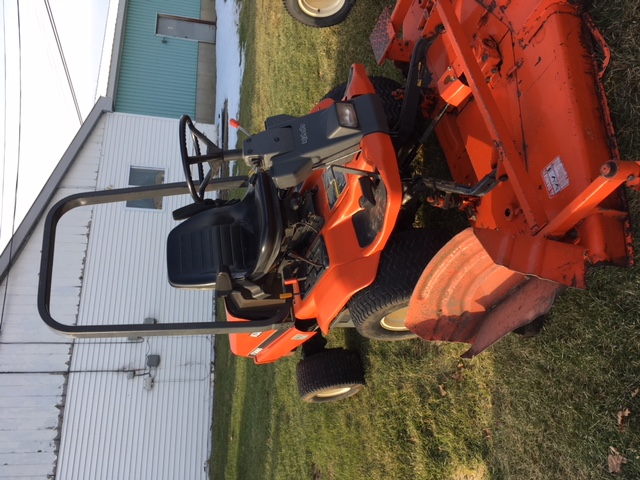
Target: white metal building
{"x":95,"y":409}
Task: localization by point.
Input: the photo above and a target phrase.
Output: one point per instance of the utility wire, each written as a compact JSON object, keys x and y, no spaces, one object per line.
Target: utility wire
{"x":4,"y":148}
{"x":15,"y":194}
{"x":104,"y":41}
{"x":64,"y":61}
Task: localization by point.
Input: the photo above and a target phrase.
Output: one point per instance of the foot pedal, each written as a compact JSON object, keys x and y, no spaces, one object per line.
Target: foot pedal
{"x":383,"y":36}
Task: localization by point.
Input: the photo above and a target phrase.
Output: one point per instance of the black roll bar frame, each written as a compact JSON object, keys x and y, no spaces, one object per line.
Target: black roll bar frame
{"x":276,"y":322}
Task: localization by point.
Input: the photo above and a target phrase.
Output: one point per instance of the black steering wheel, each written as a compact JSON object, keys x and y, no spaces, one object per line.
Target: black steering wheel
{"x":213,"y":153}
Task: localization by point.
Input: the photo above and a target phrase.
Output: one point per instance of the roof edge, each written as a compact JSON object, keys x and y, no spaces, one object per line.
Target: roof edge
{"x":37,"y":210}
{"x":116,"y":52}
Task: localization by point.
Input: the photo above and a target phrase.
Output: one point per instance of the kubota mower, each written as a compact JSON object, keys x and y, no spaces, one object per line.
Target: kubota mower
{"x":323,"y":237}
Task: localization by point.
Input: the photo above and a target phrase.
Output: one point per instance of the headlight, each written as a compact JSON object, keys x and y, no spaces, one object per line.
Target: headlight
{"x":347,"y":115}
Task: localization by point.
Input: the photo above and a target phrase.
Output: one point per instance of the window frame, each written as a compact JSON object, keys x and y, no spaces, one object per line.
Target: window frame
{"x":158,"y":170}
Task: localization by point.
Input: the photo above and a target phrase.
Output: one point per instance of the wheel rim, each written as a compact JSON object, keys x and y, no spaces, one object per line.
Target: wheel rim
{"x":320,"y":8}
{"x":332,"y":392}
{"x":394,"y":322}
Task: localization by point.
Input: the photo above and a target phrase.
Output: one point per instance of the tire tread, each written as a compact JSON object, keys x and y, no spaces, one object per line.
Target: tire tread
{"x":333,"y":368}
{"x":401,"y":265}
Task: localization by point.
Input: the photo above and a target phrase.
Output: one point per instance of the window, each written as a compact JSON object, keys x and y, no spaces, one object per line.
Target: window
{"x":140,"y":176}
{"x":186,"y":28}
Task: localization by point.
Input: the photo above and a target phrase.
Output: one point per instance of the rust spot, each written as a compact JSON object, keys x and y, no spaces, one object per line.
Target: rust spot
{"x":484,"y":19}
{"x":505,"y":6}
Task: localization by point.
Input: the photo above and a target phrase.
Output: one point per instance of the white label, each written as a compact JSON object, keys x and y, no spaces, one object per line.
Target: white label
{"x":256,"y":334}
{"x":555,"y":177}
{"x":299,"y":337}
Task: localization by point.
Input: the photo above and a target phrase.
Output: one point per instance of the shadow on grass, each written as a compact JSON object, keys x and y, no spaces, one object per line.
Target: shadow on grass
{"x":242,"y":415}
{"x":225,"y":380}
{"x":562,"y":391}
{"x":256,"y":416}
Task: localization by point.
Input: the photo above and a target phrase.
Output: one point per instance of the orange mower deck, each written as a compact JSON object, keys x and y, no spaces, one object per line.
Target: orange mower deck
{"x":523,"y":98}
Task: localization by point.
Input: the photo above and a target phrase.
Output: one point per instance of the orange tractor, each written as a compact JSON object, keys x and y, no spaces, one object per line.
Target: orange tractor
{"x":323,"y":237}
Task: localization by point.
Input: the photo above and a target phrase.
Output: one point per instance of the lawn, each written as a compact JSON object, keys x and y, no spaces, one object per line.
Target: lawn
{"x":558,"y":406}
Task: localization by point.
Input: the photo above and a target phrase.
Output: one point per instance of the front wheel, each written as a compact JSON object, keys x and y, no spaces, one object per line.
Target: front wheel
{"x":330,"y":375}
{"x":319,"y":13}
{"x":380,"y":310}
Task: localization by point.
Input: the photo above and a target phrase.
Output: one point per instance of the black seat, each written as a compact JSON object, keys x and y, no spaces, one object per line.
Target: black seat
{"x":243,"y":239}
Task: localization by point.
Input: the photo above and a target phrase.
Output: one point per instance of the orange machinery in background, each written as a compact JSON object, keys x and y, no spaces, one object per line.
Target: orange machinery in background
{"x":517,"y":92}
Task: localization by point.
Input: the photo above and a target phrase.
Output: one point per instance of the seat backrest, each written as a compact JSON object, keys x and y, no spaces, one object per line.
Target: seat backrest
{"x":243,"y":237}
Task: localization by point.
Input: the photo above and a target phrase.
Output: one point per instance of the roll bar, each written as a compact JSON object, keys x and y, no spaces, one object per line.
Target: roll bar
{"x":275,"y":322}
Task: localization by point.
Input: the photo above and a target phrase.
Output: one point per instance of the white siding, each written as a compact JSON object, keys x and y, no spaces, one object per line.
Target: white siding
{"x":113,"y":427}
{"x":33,"y":360}
{"x":73,"y":404}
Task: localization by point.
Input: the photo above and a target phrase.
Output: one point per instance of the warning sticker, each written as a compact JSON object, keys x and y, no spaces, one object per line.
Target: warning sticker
{"x":555,"y":177}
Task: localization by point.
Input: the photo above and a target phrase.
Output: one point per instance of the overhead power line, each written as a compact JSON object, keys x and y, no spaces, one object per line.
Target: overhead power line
{"x":15,"y":195}
{"x":4,"y":147}
{"x":64,"y":61}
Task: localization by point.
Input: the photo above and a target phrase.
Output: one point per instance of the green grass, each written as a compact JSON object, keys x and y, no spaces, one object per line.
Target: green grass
{"x":544,"y":408}
{"x":290,"y":67}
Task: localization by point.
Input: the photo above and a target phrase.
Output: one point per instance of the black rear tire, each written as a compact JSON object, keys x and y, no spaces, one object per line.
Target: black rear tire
{"x":385,"y":88}
{"x":330,"y":375}
{"x":319,"y":13}
{"x":378,"y":312}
